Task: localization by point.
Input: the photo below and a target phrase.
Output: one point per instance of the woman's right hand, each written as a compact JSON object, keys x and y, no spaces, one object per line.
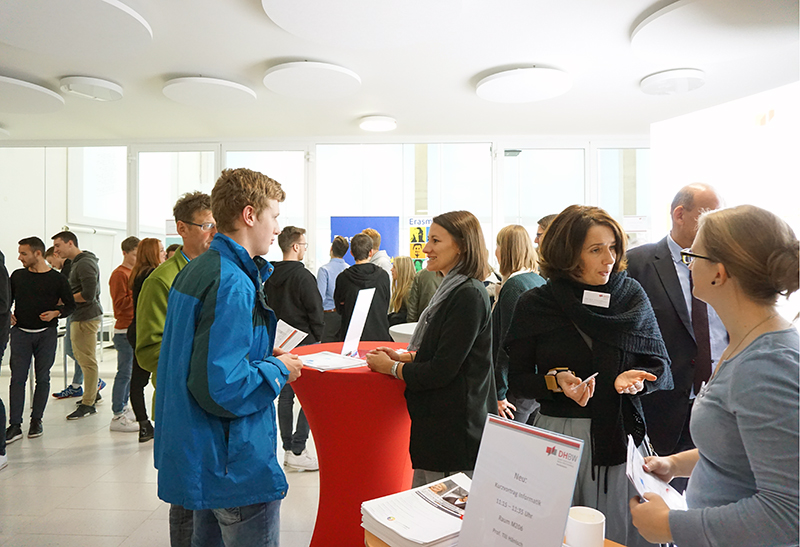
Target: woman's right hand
{"x":574,"y":389}
{"x":661,"y":467}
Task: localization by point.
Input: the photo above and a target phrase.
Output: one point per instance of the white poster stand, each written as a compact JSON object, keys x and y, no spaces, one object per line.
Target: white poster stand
{"x":522,"y":487}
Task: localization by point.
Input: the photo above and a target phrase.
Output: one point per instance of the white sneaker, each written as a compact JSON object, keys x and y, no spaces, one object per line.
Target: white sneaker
{"x":122,"y":423}
{"x":303,"y":462}
{"x":3,"y":461}
{"x":128,"y":412}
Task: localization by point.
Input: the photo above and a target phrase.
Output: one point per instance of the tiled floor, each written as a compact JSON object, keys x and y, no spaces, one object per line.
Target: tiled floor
{"x":83,"y":485}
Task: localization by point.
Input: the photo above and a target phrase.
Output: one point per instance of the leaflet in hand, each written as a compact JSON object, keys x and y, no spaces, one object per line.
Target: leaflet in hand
{"x":287,"y":337}
{"x":646,"y":482}
{"x":326,"y":360}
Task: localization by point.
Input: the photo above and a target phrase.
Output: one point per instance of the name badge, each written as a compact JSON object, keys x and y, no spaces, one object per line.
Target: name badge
{"x":599,"y":299}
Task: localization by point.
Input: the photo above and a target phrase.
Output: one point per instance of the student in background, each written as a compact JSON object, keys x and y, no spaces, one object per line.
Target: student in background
{"x":422,"y":290}
{"x":122,"y":300}
{"x":402,"y":279}
{"x":150,"y":255}
{"x":5,"y":324}
{"x":448,"y":369}
{"x":326,"y":283}
{"x":518,"y":268}
{"x":40,"y":296}
{"x":293,"y":296}
{"x":541,"y":226}
{"x":363,"y":275}
{"x":744,"y":485}
{"x":172,"y":249}
{"x":378,"y":257}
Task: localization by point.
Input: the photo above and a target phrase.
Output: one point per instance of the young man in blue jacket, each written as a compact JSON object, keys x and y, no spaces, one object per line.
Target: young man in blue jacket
{"x":215,"y":439}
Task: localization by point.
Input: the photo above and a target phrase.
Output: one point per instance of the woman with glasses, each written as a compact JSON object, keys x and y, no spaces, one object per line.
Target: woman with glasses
{"x":586,"y":346}
{"x":743,"y":485}
{"x":448,"y":368}
{"x":150,"y":254}
{"x":518,"y":268}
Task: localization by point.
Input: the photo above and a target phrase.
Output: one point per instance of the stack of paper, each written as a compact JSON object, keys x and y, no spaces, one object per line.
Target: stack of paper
{"x":326,"y":360}
{"x":426,"y":516}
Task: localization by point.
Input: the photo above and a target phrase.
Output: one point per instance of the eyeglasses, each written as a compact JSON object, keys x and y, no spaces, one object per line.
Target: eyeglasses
{"x":206,"y":226}
{"x":687,"y":256}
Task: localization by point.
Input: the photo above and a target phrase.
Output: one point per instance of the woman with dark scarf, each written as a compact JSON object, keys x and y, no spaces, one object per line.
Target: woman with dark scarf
{"x":589,"y":318}
{"x":448,"y":368}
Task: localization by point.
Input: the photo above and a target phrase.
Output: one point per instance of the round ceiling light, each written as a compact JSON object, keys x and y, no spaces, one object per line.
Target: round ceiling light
{"x":78,"y":29}
{"x":21,"y":97}
{"x":524,"y":85}
{"x":311,"y":80}
{"x":673,"y":82}
{"x":209,"y":92}
{"x":91,"y":88}
{"x":377,"y":123}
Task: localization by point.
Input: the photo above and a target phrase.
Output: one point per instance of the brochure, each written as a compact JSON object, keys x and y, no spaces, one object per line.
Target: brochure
{"x":426,"y":516}
{"x":646,"y":482}
{"x":326,"y":360}
{"x":287,"y":337}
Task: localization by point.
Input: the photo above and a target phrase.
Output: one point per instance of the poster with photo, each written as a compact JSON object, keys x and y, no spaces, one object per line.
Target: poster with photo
{"x":418,"y":228}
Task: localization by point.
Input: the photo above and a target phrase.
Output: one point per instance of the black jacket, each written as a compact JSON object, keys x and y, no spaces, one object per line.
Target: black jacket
{"x":352,"y":280}
{"x":293,"y":295}
{"x":450,"y":384}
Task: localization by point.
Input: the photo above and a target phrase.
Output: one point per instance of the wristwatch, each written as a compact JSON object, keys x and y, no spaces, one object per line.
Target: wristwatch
{"x":550,"y":378}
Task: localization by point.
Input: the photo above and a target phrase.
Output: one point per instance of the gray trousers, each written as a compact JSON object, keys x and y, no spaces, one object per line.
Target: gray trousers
{"x":610,"y":489}
{"x":41,"y":346}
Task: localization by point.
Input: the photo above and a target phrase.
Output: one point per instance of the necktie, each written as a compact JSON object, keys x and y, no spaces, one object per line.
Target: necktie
{"x":702,"y":361}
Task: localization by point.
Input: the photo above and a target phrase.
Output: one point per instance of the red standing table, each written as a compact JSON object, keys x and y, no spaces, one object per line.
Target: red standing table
{"x":361,"y":431}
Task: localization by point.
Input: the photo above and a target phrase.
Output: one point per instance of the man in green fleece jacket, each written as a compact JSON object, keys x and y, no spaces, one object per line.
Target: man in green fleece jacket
{"x":196,"y":226}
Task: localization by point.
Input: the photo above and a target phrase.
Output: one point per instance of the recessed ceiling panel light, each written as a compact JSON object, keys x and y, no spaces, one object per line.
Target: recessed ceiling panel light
{"x":209,"y":92}
{"x":377,"y":123}
{"x":673,"y":82}
{"x":21,"y":97}
{"x":524,"y":85}
{"x":311,"y":80}
{"x":91,"y":88}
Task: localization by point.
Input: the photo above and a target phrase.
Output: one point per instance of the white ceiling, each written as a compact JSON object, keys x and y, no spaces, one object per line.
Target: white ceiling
{"x":418,"y":61}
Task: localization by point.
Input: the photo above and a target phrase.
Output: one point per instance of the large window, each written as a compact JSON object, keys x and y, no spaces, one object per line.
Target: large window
{"x":97,"y":182}
{"x":624,"y":189}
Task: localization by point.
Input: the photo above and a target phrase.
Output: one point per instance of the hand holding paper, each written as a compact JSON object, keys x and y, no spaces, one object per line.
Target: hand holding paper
{"x":645,"y":482}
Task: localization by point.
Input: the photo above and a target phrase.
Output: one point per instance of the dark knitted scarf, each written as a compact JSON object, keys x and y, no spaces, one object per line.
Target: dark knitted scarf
{"x":620,"y":334}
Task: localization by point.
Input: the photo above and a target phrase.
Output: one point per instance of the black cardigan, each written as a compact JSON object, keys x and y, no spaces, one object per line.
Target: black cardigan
{"x":450,"y":384}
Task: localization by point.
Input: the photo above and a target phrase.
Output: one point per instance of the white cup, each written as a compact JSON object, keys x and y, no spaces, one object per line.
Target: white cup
{"x":586,"y":527}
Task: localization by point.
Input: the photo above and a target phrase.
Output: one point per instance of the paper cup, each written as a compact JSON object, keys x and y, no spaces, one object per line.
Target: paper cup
{"x":586,"y":527}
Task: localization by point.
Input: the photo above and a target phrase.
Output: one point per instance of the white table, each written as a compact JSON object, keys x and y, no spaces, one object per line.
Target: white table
{"x":402,"y":333}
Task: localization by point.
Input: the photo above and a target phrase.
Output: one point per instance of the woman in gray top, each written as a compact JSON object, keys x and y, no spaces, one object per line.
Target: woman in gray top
{"x":743,"y":486}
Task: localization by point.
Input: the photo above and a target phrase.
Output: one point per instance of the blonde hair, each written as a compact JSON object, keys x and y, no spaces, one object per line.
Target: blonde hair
{"x":516,"y":250}
{"x":236,"y":189}
{"x":374,"y":236}
{"x":756,"y":247}
{"x":404,"y":268}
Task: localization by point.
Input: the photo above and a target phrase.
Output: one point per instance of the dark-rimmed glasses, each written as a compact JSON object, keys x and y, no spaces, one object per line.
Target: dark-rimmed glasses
{"x":687,"y":256}
{"x":206,"y":226}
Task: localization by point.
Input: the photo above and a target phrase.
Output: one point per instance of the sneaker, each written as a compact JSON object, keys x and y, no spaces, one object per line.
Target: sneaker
{"x":68,"y":392}
{"x":3,"y":461}
{"x":13,"y":432}
{"x":97,"y":400}
{"x":129,"y":413}
{"x":121,"y":423}
{"x":146,"y":431}
{"x":302,"y":462}
{"x":81,"y":412}
{"x":100,"y":384}
{"x":36,"y":429}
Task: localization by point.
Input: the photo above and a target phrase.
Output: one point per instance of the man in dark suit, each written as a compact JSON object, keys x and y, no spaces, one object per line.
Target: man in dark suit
{"x":693,"y":342}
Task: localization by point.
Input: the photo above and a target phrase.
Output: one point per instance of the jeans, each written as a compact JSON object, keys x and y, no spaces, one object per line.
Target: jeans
{"x":122,"y":381}
{"x":256,"y":525}
{"x":41,"y":346}
{"x":5,"y":322}
{"x":77,"y":377}
{"x":180,"y":526}
{"x":296,"y":442}
{"x":84,"y":344}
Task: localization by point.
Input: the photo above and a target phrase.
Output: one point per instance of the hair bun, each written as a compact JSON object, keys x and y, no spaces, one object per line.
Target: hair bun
{"x":783,"y":269}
